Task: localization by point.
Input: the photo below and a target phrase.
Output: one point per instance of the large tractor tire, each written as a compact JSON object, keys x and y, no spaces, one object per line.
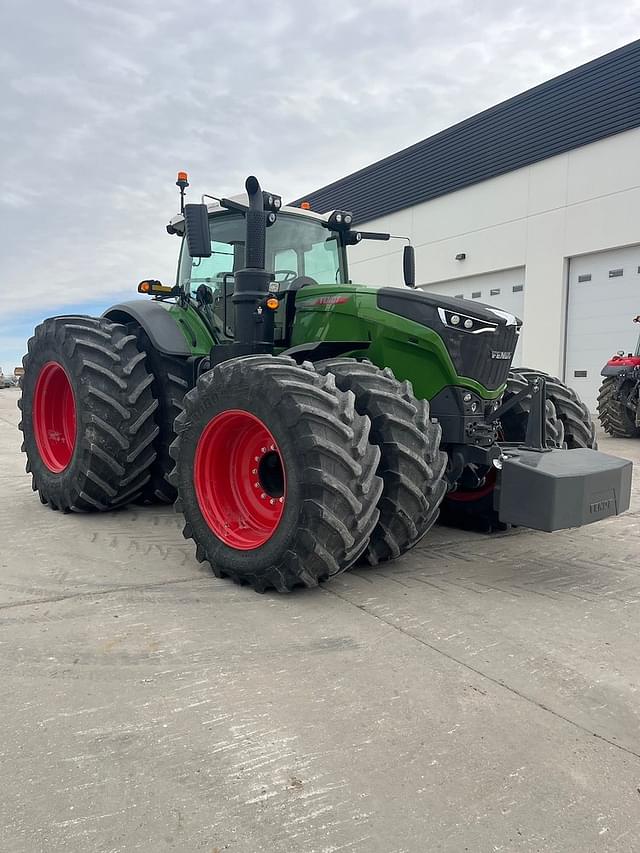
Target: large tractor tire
{"x":579,"y":427}
{"x":87,"y":414}
{"x":514,"y":422}
{"x":471,"y":506}
{"x":275,"y":473}
{"x":172,"y":378}
{"x":411,"y":464}
{"x":616,"y":418}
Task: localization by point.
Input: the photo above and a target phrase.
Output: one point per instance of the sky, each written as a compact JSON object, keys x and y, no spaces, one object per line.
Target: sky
{"x":103,"y":101}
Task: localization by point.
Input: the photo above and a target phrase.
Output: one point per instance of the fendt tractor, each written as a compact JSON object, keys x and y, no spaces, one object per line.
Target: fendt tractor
{"x":301,"y":422}
{"x":619,"y":395}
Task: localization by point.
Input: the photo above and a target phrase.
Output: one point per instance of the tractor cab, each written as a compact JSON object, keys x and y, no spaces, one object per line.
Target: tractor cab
{"x":623,"y":361}
{"x":300,"y":250}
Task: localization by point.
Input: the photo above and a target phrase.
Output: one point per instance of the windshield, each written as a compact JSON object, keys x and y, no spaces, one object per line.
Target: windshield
{"x":296,"y":246}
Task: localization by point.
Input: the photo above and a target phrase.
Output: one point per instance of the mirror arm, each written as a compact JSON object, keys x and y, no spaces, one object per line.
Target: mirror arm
{"x":374,"y":235}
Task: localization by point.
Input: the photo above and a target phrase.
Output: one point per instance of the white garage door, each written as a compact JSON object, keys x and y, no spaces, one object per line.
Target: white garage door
{"x":604,"y":297}
{"x":503,"y":289}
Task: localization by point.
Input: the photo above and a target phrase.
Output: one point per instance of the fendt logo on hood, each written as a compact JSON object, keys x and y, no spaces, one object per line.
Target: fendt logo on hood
{"x":502,"y":354}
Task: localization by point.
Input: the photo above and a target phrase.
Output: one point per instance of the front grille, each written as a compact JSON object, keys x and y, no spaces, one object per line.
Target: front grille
{"x":469,"y":351}
{"x":471,"y":354}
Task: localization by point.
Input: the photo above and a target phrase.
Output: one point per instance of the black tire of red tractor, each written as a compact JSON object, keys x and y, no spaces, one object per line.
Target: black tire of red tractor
{"x":114,"y":408}
{"x":411,"y":464}
{"x":617,"y":420}
{"x":332,"y":494}
{"x":172,"y":378}
{"x":579,"y":426}
{"x":479,"y":513}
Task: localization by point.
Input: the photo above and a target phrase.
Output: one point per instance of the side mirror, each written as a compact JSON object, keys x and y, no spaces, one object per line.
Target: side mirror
{"x":196,"y":224}
{"x":409,"y":266}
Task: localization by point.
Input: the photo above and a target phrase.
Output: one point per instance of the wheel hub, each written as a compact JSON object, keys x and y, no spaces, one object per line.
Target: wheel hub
{"x":239,"y":479}
{"x":54,"y":417}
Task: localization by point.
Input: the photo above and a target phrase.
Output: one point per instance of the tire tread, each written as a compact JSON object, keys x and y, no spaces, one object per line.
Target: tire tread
{"x":337,"y":514}
{"x":411,"y":463}
{"x":113,"y":428}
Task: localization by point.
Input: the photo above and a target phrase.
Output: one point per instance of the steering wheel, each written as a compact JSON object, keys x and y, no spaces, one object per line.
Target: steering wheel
{"x":302,"y":281}
{"x":289,"y":275}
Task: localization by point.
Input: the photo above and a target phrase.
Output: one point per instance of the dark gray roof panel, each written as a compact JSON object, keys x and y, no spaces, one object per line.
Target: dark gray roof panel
{"x":582,"y":106}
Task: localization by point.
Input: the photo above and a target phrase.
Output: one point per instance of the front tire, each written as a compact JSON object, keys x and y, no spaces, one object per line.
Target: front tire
{"x":87,"y":414}
{"x":617,"y":419}
{"x":275,"y":473}
{"x":578,"y":425}
{"x":473,"y":508}
{"x":411,"y":463}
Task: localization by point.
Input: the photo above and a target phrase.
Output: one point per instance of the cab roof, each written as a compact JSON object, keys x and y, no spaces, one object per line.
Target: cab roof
{"x":177,"y":222}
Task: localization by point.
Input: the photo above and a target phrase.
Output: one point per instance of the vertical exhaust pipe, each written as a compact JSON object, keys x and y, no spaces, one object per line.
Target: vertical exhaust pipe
{"x":252,"y":282}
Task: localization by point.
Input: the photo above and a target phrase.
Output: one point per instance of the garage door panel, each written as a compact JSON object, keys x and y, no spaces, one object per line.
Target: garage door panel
{"x":599,"y":315}
{"x":503,"y":289}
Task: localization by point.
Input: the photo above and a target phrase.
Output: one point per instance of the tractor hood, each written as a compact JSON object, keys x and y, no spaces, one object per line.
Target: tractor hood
{"x":480,"y":339}
{"x":419,"y":305}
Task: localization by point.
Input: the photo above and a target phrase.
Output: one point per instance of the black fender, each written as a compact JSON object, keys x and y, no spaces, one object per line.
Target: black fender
{"x":318,"y":350}
{"x":160,"y":326}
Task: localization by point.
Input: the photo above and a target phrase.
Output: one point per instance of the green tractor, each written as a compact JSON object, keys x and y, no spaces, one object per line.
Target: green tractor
{"x":301,"y":422}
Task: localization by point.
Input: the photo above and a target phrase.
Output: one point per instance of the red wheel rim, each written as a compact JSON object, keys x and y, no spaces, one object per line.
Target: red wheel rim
{"x":54,"y":417}
{"x":239,"y":479}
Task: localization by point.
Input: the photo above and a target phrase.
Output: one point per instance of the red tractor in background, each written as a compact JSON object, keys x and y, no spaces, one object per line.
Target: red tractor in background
{"x":619,"y":395}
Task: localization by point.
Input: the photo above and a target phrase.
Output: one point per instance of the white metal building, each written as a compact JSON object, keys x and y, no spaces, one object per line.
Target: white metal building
{"x":533,"y":206}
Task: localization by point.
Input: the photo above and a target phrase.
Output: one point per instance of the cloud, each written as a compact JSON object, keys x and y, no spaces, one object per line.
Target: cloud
{"x":104,"y":101}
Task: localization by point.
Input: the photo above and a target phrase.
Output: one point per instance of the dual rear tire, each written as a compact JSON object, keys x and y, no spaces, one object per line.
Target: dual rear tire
{"x":88,"y":415}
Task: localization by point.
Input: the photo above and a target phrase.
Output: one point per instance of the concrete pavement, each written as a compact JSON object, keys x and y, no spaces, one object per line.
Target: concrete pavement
{"x":480,"y":694}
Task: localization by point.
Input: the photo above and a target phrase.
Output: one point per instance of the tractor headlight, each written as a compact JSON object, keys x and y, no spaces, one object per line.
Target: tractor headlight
{"x":340,"y":220}
{"x":465,"y":323}
{"x":270,"y":201}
